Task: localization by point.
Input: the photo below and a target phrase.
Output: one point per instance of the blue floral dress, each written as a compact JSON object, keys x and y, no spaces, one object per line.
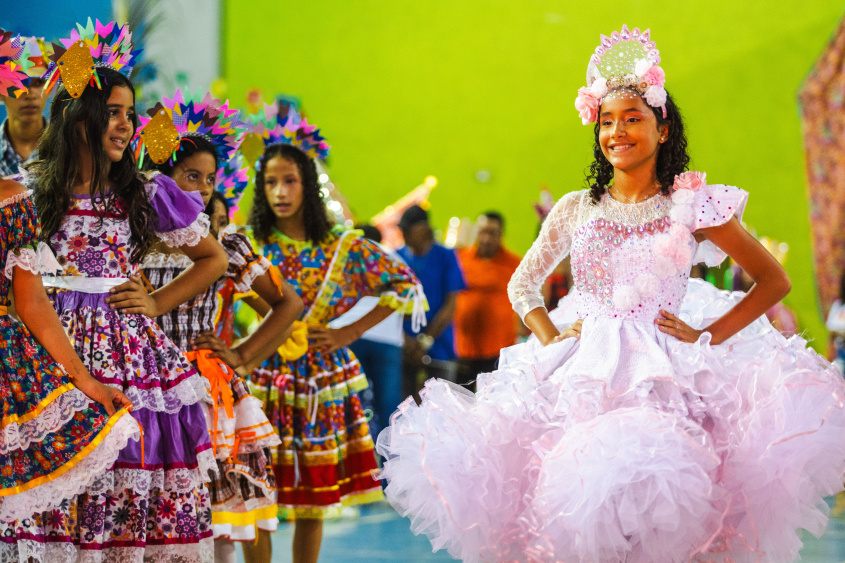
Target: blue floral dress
{"x":153,"y":504}
{"x":54,"y":440}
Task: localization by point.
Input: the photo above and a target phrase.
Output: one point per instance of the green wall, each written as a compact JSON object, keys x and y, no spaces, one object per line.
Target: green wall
{"x":403,"y":89}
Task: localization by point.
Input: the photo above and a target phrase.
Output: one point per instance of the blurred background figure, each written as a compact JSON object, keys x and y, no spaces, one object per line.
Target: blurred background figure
{"x":431,"y":353}
{"x":25,"y":121}
{"x":836,"y":326}
{"x":380,"y":352}
{"x":484,"y":320}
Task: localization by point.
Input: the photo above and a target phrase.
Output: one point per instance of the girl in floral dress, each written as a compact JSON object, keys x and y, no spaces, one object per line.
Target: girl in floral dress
{"x":326,"y":459}
{"x":99,"y":215}
{"x":652,"y":418}
{"x":54,"y":440}
{"x":243,"y":494}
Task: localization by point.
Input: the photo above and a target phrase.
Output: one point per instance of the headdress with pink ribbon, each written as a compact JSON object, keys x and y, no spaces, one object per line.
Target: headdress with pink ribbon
{"x":627,"y":60}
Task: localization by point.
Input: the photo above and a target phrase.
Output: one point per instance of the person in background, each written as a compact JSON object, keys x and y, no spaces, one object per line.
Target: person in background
{"x":380,"y":352}
{"x":484,"y":320}
{"x":25,"y":122}
{"x":433,"y":349}
{"x":836,"y":325}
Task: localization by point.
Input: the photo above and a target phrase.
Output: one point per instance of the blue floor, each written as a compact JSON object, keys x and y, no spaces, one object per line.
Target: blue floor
{"x":379,"y":534}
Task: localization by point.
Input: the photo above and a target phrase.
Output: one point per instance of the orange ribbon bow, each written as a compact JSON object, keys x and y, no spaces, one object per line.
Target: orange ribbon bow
{"x":218,"y":375}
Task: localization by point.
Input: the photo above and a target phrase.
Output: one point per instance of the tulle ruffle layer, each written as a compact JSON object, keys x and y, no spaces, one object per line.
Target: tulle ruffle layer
{"x":626,"y":446}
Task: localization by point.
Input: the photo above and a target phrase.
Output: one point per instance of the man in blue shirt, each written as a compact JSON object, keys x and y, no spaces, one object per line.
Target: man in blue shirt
{"x":432,"y":351}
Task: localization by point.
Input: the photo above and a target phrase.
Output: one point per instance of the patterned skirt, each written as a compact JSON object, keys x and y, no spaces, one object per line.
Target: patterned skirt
{"x":326,"y":459}
{"x":243,"y":487}
{"x":54,"y":440}
{"x":153,"y":505}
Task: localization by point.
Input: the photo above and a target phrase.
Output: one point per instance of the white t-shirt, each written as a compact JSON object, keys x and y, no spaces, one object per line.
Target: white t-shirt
{"x":388,"y":331}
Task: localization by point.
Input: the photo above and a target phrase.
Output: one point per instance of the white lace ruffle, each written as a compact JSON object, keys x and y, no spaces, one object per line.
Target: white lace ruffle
{"x":48,"y":495}
{"x":187,"y":392}
{"x":255,"y":271}
{"x":236,"y":503}
{"x":161,"y":260}
{"x":40,"y":260}
{"x":142,"y":481}
{"x":15,"y":436}
{"x":25,"y":550}
{"x":187,"y":236}
{"x":201,"y":552}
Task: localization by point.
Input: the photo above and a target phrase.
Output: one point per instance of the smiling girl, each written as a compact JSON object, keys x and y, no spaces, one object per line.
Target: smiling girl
{"x":99,"y":215}
{"x":651,"y":427}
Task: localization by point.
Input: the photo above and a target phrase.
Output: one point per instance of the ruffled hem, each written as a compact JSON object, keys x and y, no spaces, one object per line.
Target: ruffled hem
{"x":255,"y":270}
{"x":142,"y":481}
{"x":187,"y":236}
{"x":54,"y":412}
{"x":586,"y":451}
{"x":76,"y":475}
{"x":330,"y":512}
{"x":161,"y":260}
{"x":250,"y":427}
{"x":246,"y":532}
{"x":201,"y":551}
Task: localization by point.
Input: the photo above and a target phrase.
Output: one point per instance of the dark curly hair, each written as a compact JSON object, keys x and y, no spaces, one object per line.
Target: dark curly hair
{"x":261,"y":216}
{"x":188,"y":146}
{"x":672,"y":158}
{"x":58,"y":166}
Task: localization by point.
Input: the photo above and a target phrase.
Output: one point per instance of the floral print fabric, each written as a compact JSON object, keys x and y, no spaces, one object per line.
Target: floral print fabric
{"x":327,"y":458}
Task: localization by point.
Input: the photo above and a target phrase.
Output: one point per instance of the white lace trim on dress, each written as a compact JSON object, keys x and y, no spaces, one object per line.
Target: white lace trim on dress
{"x":187,"y":236}
{"x":18,"y":436}
{"x":48,"y":495}
{"x":40,"y":260}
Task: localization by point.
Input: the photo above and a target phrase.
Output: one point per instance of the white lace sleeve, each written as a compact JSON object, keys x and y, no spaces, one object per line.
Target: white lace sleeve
{"x":38,"y":261}
{"x":552,"y":246}
{"x":187,"y":236}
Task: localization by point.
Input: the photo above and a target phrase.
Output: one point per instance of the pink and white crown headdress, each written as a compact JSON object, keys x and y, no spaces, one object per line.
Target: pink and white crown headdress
{"x":628,"y":59}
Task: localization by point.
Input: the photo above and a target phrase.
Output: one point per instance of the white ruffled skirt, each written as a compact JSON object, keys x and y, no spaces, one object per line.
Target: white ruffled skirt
{"x":626,"y":446}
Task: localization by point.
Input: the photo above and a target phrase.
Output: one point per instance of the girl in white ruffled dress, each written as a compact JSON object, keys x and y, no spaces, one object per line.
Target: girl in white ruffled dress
{"x":652,"y":418}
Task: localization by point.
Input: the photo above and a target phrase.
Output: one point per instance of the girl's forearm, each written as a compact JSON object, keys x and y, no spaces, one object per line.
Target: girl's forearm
{"x":39,"y":316}
{"x":541,"y":325}
{"x":209,"y":265}
{"x":273,"y":330}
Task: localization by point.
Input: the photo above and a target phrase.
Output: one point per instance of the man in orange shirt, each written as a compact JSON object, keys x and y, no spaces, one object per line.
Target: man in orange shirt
{"x":484,"y":320}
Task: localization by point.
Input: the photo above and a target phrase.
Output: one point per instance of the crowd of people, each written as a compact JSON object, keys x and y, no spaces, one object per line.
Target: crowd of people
{"x":588,"y":402}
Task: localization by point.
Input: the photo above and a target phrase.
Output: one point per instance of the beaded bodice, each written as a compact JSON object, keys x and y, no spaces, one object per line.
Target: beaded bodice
{"x":628,"y":260}
{"x":613,"y":259}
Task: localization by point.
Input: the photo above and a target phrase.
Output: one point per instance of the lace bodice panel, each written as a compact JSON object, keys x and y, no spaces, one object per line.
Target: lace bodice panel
{"x":628,"y":260}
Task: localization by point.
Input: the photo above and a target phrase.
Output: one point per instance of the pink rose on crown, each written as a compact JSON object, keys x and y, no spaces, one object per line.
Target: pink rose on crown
{"x":690,"y":181}
{"x":587,"y":105}
{"x":655,"y":76}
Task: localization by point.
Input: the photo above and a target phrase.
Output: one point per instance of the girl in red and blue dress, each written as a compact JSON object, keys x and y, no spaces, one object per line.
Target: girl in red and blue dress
{"x":99,"y":215}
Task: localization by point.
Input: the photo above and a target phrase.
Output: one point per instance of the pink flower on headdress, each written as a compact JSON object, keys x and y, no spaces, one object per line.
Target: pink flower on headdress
{"x":599,"y":88}
{"x":690,"y":181}
{"x":655,"y":76}
{"x":655,"y":96}
{"x":587,"y":105}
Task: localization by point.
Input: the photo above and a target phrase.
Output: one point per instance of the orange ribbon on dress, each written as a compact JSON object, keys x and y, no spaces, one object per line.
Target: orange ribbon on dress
{"x":218,"y":375}
{"x":141,"y":429}
{"x":233,"y":457}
